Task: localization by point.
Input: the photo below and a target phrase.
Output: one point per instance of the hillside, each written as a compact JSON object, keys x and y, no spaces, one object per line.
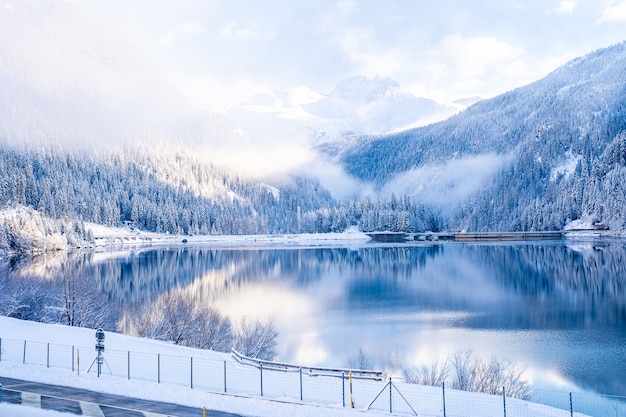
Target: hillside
{"x":534,"y":158}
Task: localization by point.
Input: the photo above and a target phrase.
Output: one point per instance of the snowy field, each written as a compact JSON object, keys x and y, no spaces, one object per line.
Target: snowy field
{"x":115,"y":237}
{"x":426,"y":400}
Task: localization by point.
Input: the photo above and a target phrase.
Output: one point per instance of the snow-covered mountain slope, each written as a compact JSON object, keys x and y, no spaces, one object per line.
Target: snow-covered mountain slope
{"x":377,"y":105}
{"x":509,"y":149}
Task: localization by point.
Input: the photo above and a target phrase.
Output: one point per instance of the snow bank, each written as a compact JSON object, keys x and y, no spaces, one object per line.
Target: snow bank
{"x":105,"y":236}
{"x":12,"y":331}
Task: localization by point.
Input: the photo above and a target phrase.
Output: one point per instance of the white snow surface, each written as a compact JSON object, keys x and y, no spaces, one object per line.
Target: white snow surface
{"x":60,"y":334}
{"x":105,"y":236}
{"x":13,"y":330}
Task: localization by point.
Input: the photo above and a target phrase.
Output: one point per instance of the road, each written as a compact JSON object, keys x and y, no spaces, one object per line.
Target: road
{"x":91,"y":403}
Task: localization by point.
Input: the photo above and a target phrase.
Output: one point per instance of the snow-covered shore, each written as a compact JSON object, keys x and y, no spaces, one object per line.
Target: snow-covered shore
{"x":125,"y":237}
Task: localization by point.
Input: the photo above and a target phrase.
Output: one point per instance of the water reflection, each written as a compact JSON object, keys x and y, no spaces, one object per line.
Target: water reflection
{"x":558,"y":307}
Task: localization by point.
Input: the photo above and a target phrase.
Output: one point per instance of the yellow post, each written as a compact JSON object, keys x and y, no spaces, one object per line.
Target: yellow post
{"x":351,"y":400}
{"x":78,"y":360}
{"x":203,"y":411}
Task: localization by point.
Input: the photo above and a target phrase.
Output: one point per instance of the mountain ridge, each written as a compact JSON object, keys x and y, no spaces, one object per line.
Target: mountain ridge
{"x":577,"y":109}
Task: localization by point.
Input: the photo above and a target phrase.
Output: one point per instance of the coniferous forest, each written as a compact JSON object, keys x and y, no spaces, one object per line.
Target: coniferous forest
{"x":535,"y":158}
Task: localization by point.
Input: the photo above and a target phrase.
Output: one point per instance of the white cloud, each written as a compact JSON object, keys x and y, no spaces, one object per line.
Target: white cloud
{"x":447,"y":184}
{"x":614,"y":13}
{"x":214,"y":94}
{"x":234,"y":31}
{"x":192,"y":28}
{"x":566,"y":7}
{"x":460,"y":66}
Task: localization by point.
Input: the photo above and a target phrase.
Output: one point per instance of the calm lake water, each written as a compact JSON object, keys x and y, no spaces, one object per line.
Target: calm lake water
{"x":556,"y":307}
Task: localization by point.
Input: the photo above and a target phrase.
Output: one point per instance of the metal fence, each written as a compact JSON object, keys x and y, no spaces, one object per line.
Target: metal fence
{"x":310,"y":385}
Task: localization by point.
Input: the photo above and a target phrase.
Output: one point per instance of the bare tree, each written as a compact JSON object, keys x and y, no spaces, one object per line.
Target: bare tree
{"x":212,"y":330}
{"x":474,"y":374}
{"x":360,"y":361}
{"x":27,"y":299}
{"x":255,"y":339}
{"x":433,"y":375}
{"x":178,"y":318}
{"x":81,"y":304}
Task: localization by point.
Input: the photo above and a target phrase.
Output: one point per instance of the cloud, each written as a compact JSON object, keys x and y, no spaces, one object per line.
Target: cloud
{"x":234,"y":31}
{"x":461,"y":66}
{"x":614,"y":13}
{"x":192,"y":28}
{"x":447,"y":184}
{"x":566,"y":7}
{"x":211,"y":93}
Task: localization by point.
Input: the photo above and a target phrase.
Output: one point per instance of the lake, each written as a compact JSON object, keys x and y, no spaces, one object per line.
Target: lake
{"x":556,"y":307}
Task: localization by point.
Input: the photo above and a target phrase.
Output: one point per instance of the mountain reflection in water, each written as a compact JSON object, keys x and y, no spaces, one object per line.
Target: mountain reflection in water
{"x":558,"y":307}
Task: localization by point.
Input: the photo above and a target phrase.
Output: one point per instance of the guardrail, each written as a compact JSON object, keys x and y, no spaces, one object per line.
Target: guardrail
{"x":308,"y":370}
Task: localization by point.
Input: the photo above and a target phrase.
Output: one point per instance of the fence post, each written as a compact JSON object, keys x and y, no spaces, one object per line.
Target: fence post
{"x":128,"y":364}
{"x":504,"y":400}
{"x":571,"y":405}
{"x":224,"y":377}
{"x":158,"y":368}
{"x":72,"y":358}
{"x":261,"y":369}
{"x":351,"y":399}
{"x":390,"y":395}
{"x":300,"y":384}
{"x":191,"y":371}
{"x":343,"y":388}
{"x":443,"y":392}
{"x":24,"y":358}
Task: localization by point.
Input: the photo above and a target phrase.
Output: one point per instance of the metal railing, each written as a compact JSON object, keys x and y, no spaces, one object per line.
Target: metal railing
{"x":335,"y":387}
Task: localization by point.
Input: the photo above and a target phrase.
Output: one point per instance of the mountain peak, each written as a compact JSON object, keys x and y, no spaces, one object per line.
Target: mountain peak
{"x":362,"y":89}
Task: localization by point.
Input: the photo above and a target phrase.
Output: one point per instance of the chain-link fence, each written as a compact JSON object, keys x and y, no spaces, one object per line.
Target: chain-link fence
{"x":338,"y":387}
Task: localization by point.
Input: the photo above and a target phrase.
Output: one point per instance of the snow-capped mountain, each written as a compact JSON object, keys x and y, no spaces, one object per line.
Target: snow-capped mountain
{"x":500,"y":164}
{"x":357,"y":105}
{"x":377,"y":105}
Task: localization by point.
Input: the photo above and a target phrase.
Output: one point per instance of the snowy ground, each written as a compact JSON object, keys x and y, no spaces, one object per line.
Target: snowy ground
{"x":13,"y":330}
{"x":127,"y":236}
{"x":65,"y":335}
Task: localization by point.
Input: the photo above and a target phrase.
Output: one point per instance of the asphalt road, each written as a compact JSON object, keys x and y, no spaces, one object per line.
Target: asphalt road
{"x":91,"y":403}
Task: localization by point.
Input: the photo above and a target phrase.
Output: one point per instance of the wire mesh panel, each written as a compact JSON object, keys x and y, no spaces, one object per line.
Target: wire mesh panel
{"x":281,"y":384}
{"x":115,"y":362}
{"x":365,"y":390}
{"x":35,"y":353}
{"x":243,"y":379}
{"x":429,"y":400}
{"x":61,"y":356}
{"x":583,"y":404}
{"x":12,"y":350}
{"x":208,"y":374}
{"x":597,"y":405}
{"x":464,"y":404}
{"x":556,"y":399}
{"x":323,"y":389}
{"x":176,"y":370}
{"x":144,"y":366}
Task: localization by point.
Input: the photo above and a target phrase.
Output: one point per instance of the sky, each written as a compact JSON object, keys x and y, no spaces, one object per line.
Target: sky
{"x":220,"y":52}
